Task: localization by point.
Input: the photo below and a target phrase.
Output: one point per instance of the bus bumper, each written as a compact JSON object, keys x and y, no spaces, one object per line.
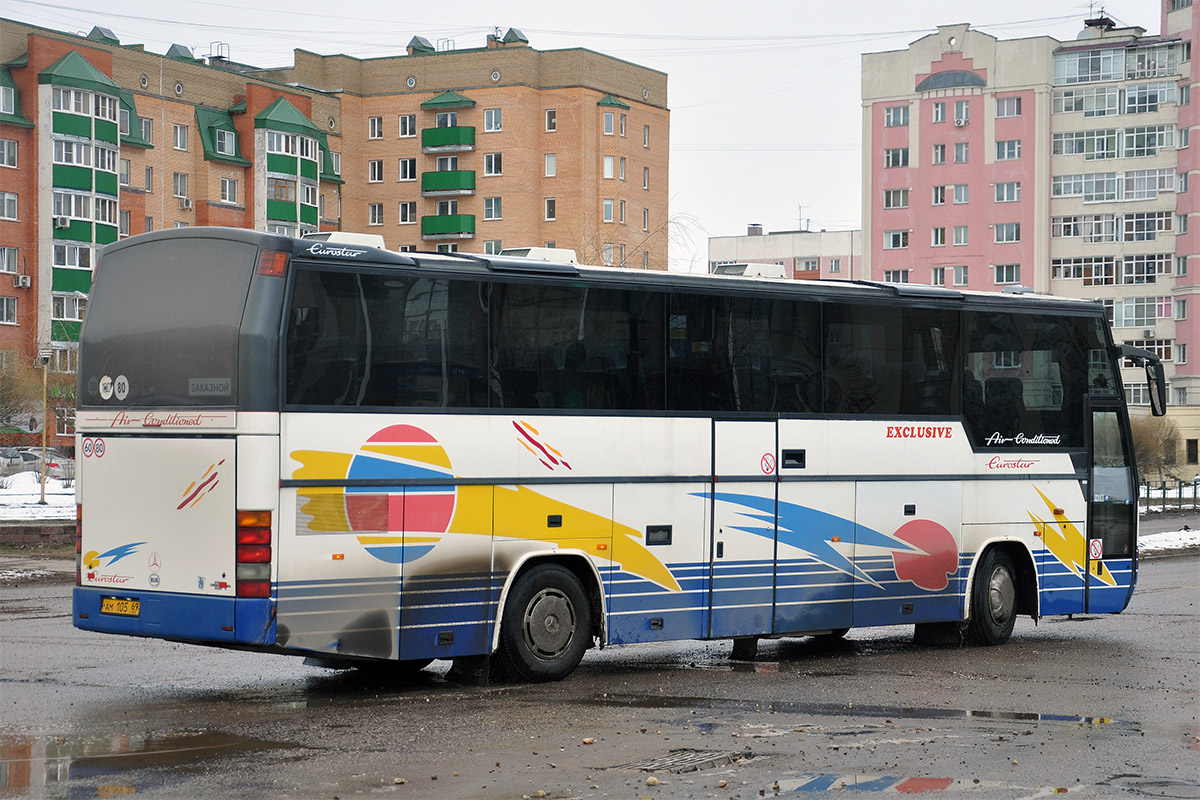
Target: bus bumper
{"x":178,"y":616}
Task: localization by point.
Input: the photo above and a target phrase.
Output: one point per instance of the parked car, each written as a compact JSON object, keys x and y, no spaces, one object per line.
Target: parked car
{"x":57,"y":465}
{"x":9,"y":457}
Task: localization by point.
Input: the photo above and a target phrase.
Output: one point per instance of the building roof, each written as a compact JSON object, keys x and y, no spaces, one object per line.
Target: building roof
{"x":448,"y":99}
{"x":134,"y":137}
{"x":15,"y":118}
{"x":283,"y":116}
{"x":950,"y":78}
{"x":211,"y":120}
{"x":609,"y":100}
{"x":77,"y":72}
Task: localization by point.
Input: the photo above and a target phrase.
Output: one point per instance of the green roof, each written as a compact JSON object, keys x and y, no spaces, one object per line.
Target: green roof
{"x":420,"y":45}
{"x":283,"y":116}
{"x":514,"y":35}
{"x":211,"y":120}
{"x":76,"y":71}
{"x":105,"y":35}
{"x":134,"y":137}
{"x":448,"y":100}
{"x":15,"y":118}
{"x":609,"y":100}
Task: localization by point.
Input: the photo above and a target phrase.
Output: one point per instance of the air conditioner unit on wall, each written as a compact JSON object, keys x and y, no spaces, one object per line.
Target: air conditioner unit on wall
{"x":958,"y":123}
{"x":22,"y":281}
{"x":185,"y":203}
{"x":62,"y":222}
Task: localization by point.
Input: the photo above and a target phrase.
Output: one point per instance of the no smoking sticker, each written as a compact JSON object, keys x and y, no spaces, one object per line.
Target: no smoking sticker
{"x":768,"y":463}
{"x":1096,"y":549}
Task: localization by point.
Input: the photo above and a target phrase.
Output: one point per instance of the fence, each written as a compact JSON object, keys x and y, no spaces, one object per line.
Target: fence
{"x":1168,"y":495}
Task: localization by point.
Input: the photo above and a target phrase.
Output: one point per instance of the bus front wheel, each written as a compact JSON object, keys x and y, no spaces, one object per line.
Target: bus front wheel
{"x":993,"y":599}
{"x":546,"y":626}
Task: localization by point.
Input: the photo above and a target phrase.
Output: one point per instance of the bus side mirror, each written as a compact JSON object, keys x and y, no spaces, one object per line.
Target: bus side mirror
{"x":1156,"y":382}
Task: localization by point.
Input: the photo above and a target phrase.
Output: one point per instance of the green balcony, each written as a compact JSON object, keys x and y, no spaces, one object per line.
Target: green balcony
{"x":458,"y":139}
{"x":444,"y":184}
{"x":449,"y":226}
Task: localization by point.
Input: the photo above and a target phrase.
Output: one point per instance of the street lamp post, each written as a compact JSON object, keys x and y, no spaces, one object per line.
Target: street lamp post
{"x":44,"y":357}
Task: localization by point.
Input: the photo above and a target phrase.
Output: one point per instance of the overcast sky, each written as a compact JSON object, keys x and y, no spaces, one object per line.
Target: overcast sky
{"x":765,"y":111}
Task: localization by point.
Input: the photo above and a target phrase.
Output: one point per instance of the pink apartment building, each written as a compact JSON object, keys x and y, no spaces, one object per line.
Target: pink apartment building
{"x":1063,"y":167}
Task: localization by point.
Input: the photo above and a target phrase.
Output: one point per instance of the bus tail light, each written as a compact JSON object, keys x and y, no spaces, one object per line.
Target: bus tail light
{"x":253,"y":544}
{"x":272,"y":263}
{"x":78,"y":545}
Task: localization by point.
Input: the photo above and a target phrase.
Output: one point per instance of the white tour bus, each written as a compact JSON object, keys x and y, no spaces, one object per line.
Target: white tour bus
{"x":358,"y":455}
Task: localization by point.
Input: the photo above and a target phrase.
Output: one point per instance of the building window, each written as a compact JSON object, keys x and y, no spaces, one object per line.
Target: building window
{"x":895,"y":276}
{"x":895,"y":198}
{"x":1193,"y":451}
{"x":938,"y":276}
{"x":149,"y":179}
{"x":621,"y":171}
{"x":1008,"y":273}
{"x":374,"y":127}
{"x":8,"y":100}
{"x":280,"y":142}
{"x":622,"y":130}
{"x":106,"y":159}
{"x":147,"y":126}
{"x":621,"y":213}
{"x":180,"y":136}
{"x":1009,"y":192}
{"x":937,"y":237}
{"x":645,"y":219}
{"x":550,"y":209}
{"x":447,"y":163}
{"x":375,"y":171}
{"x":281,"y":189}
{"x":492,"y":164}
{"x":1008,"y":232}
{"x":1008,"y":150}
{"x":895,"y":157}
{"x":8,"y":310}
{"x":939,"y":111}
{"x":835,"y":265}
{"x":961,"y":235}
{"x":408,"y":212}
{"x":8,"y":153}
{"x":446,"y":119}
{"x":336,"y":158}
{"x":375,"y":213}
{"x":645,"y":259}
{"x":407,"y":169}
{"x":106,"y":107}
{"x":447,"y":248}
{"x":645,"y":136}
{"x":72,"y":255}
{"x":492,"y":120}
{"x":407,"y":125}
{"x":551,"y":120}
{"x":610,"y":167}
{"x":551,"y":165}
{"x":1092,"y":145}
{"x":645,"y":177}
{"x":226,"y":143}
{"x":123,"y":172}
{"x":492,"y":247}
{"x":8,"y":259}
{"x":308,"y":194}
{"x":608,"y":254}
{"x":72,"y":204}
{"x":962,"y":193}
{"x":447,"y":208}
{"x":962,"y":111}
{"x":229,"y":192}
{"x":74,"y":101}
{"x":962,"y":152}
{"x":609,"y":123}
{"x":939,"y":195}
{"x":608,"y":209}
{"x":179,"y":184}
{"x":72,"y":153}
{"x":895,"y":240}
{"x":895,"y":116}
{"x":1180,"y":309}
{"x":939,"y":154}
{"x":68,"y":307}
{"x":491,"y":208}
{"x":1008,"y":107}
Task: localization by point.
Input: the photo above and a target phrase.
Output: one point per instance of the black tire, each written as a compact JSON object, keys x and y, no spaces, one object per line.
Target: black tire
{"x":547,"y":625}
{"x":993,"y":599}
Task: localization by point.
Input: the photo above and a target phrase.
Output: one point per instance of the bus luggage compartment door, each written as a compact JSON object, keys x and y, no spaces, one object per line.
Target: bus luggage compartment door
{"x":743,"y":545}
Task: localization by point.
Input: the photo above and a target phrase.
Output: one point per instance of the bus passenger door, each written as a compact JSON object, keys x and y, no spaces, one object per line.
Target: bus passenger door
{"x":1112,"y":521}
{"x":743,"y":544}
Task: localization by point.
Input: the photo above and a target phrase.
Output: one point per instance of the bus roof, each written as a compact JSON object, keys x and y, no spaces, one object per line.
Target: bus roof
{"x":467,"y":263}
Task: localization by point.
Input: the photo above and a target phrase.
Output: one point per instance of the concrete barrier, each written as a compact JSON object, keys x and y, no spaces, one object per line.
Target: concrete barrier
{"x":37,"y":533}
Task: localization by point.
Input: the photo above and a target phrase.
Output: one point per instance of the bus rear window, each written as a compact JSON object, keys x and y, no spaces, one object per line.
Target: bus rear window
{"x":164,"y":316}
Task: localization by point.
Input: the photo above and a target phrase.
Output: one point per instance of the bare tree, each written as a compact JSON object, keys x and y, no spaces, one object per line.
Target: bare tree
{"x":1155,"y":446}
{"x":20,"y":396}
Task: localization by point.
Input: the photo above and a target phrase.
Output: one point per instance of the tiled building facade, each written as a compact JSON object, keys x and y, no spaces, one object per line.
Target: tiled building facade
{"x":1065,"y":167}
{"x":501,"y":146}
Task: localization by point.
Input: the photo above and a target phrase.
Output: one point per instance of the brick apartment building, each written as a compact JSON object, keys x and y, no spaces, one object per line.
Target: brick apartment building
{"x":476,"y":149}
{"x":1061,"y":166}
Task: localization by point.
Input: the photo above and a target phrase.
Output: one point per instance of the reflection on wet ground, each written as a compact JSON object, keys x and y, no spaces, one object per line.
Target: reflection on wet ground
{"x":94,"y":766}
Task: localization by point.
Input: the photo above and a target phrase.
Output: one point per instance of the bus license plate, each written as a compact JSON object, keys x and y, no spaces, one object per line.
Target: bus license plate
{"x":121,"y":606}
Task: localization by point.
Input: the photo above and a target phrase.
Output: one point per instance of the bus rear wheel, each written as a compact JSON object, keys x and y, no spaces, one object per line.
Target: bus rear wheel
{"x":993,"y":599}
{"x":546,"y":626}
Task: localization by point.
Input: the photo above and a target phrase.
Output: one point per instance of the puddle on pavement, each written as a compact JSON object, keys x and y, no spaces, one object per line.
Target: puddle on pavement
{"x":833,"y":710}
{"x":41,"y":765}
